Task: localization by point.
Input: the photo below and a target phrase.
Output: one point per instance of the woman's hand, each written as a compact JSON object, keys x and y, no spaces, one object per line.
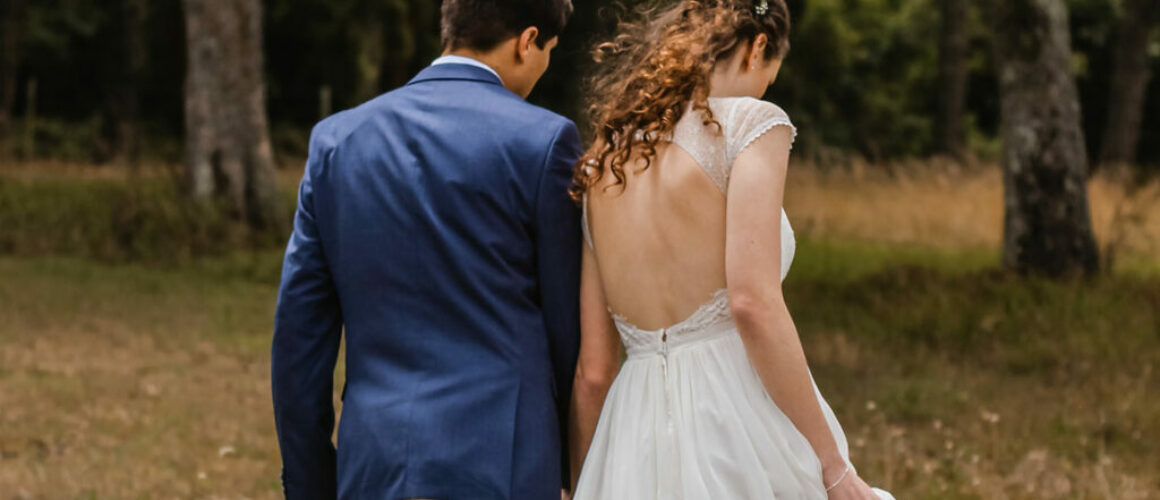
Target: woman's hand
{"x":851,"y":487}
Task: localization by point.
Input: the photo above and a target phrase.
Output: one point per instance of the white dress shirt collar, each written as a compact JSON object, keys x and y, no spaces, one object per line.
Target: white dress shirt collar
{"x":454,"y":59}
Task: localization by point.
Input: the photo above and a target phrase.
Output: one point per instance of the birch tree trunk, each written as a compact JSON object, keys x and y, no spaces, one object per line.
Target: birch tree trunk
{"x":228,"y":151}
{"x":1047,"y":223}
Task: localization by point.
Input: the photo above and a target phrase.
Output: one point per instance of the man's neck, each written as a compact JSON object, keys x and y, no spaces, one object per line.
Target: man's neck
{"x":491,"y":59}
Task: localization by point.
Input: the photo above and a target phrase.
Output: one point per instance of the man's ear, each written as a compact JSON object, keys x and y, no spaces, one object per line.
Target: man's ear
{"x":524,"y":44}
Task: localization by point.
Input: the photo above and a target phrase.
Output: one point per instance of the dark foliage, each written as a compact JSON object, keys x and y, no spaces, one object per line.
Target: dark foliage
{"x":861,"y":79}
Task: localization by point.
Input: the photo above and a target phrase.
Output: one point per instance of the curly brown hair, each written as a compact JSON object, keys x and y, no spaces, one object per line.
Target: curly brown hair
{"x":656,"y":65}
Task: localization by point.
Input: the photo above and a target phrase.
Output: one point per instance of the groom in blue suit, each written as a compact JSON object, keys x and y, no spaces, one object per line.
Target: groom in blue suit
{"x":435,"y":229}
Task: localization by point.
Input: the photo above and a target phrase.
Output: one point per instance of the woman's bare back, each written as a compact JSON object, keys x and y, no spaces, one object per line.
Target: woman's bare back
{"x":659,"y":239}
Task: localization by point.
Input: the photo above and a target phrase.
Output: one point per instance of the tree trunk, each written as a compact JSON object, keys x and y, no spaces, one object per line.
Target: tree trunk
{"x":400,"y":42}
{"x":1129,"y":82}
{"x":1047,"y":225}
{"x":28,"y":149}
{"x":228,"y":150}
{"x":11,"y":14}
{"x":368,"y":34}
{"x":950,"y":136}
{"x":125,"y":101}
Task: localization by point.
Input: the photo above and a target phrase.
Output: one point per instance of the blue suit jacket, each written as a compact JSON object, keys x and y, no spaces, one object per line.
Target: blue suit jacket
{"x":433,"y":224}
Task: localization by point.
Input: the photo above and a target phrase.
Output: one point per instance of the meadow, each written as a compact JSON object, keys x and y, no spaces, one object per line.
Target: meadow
{"x":134,"y":360}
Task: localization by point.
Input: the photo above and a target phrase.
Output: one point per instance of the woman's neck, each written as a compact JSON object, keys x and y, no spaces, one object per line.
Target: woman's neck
{"x":722,"y":85}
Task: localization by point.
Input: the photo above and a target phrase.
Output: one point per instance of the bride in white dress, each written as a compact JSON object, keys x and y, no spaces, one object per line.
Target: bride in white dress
{"x":686,"y":247}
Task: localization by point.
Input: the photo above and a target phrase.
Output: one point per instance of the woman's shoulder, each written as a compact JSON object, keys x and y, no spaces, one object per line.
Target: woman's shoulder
{"x":745,"y":119}
{"x":739,"y":110}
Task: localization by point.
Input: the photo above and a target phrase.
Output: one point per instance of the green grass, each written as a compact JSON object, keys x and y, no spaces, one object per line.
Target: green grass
{"x":959,"y":305}
{"x":962,"y":381}
{"x":144,"y":219}
{"x":133,"y":377}
{"x":952,"y":380}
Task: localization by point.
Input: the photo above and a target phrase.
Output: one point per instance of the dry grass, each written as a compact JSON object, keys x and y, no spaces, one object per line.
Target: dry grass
{"x":934,"y":204}
{"x":971,"y":433}
{"x":945,"y":206}
{"x":938,"y":428}
{"x":133,"y":383}
{"x":51,"y":170}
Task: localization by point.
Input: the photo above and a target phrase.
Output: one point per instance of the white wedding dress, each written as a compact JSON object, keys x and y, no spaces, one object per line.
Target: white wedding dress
{"x":687,"y":418}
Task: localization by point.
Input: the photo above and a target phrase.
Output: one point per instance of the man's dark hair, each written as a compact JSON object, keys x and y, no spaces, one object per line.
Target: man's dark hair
{"x":484,"y":24}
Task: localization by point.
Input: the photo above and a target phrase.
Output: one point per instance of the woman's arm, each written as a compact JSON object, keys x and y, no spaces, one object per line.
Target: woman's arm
{"x":753,"y":274}
{"x":598,"y":363}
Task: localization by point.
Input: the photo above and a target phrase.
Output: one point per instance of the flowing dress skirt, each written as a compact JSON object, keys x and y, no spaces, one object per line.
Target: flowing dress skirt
{"x":688,"y":418}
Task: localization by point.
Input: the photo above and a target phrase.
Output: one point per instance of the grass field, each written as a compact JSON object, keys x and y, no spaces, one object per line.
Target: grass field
{"x":953,"y":380}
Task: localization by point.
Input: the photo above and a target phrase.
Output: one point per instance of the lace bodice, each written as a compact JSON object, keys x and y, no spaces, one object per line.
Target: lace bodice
{"x":743,"y":121}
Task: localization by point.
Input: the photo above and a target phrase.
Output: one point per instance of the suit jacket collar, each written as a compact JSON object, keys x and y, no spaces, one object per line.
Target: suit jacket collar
{"x":455,"y":71}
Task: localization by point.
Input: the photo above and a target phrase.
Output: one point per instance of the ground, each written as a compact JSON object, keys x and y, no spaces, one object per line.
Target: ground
{"x":952,"y":379}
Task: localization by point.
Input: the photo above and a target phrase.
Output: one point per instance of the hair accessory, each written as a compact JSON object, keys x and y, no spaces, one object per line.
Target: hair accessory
{"x":762,"y":8}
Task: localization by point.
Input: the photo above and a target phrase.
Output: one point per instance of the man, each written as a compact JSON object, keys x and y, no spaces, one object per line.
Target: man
{"x":434,"y":226}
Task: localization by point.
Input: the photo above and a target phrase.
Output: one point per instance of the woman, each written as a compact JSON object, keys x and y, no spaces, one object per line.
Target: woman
{"x":686,"y":247}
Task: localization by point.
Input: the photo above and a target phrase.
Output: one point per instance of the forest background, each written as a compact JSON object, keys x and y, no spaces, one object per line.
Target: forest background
{"x":983,"y":311}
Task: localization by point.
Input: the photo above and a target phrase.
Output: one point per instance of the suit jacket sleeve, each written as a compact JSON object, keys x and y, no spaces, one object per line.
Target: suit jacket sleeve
{"x":558,"y":241}
{"x":307,"y":330}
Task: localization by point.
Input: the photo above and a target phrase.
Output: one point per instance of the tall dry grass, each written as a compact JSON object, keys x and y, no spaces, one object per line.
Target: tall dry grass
{"x":943,"y":205}
{"x":931,"y":203}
